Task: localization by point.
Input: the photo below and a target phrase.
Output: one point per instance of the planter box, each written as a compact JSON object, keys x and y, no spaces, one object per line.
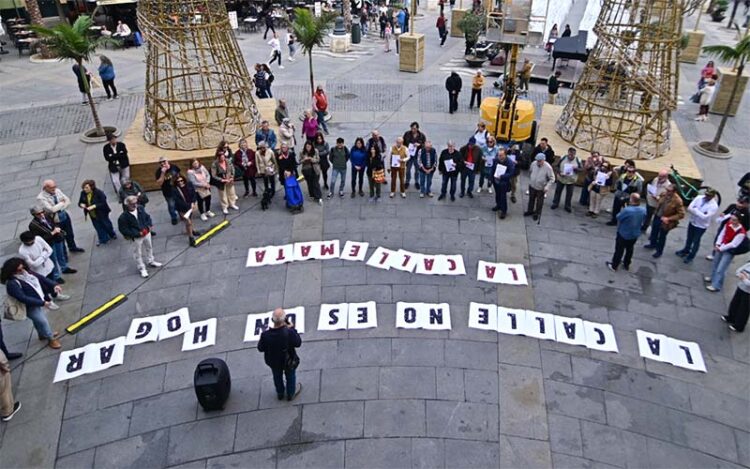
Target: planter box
{"x":691,"y":53}
{"x":727,"y":77}
{"x":456,"y":15}
{"x":411,"y":55}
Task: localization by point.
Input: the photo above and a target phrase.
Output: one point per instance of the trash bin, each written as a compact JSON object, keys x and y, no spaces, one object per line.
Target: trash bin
{"x":356,"y":33}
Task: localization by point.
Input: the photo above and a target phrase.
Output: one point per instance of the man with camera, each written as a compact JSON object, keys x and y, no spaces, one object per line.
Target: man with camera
{"x":629,"y":221}
{"x":278,"y":344}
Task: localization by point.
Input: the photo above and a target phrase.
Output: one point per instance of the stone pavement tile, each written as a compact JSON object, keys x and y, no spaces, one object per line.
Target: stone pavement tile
{"x":637,"y":416}
{"x":389,"y":452}
{"x":180,"y":373}
{"x":131,"y":386}
{"x":442,"y":225}
{"x":481,"y":386}
{"x":268,"y":428}
{"x":522,"y":406}
{"x":427,"y":453}
{"x":664,"y":454}
{"x":363,"y":352}
{"x":347,"y":275}
{"x":81,"y":399}
{"x":331,"y":421}
{"x":164,"y":410}
{"x":556,"y":366}
{"x":310,"y":381}
{"x":408,"y":293}
{"x":94,"y":429}
{"x":743,"y":447}
{"x":427,"y":239}
{"x":565,"y":435}
{"x":463,"y":295}
{"x":362,"y":293}
{"x":462,"y":420}
{"x":564,"y":461}
{"x":466,"y":354}
{"x":631,"y":382}
{"x":518,"y":350}
{"x":720,"y":407}
{"x":522,"y":452}
{"x":349,"y":384}
{"x":613,"y":446}
{"x":724,"y":375}
{"x":318,"y":455}
{"x":315,"y":355}
{"x":462,"y":453}
{"x":397,"y":382}
{"x":259,"y":459}
{"x":147,"y":450}
{"x":575,"y":401}
{"x":80,"y":460}
{"x":417,"y":352}
{"x":201,"y":439}
{"x":450,"y":384}
{"x":394,"y":418}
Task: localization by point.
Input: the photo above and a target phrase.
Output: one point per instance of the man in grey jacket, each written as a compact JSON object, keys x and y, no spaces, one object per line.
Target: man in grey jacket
{"x":541,"y":179}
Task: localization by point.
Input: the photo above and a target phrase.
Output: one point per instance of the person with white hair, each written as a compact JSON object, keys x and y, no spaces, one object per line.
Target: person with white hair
{"x":541,"y":180}
{"x":55,"y":203}
{"x":135,"y":225}
{"x":277,"y":344}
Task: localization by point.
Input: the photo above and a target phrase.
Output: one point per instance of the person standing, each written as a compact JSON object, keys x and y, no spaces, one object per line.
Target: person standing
{"x":524,"y":76}
{"x":654,"y":190}
{"x":281,"y":112}
{"x":375,"y":172}
{"x":359,"y":156}
{"x":541,"y":180}
{"x":286,"y":160}
{"x":553,"y":87}
{"x":134,"y":223}
{"x":244,"y":162}
{"x":567,"y":175}
{"x":453,"y":85}
{"x":223,"y":171}
{"x":9,"y":407}
{"x":259,"y":80}
{"x":387,"y":32}
{"x":185,"y":203}
{"x":669,"y":212}
{"x":277,"y":344}
{"x":628,"y":182}
{"x":739,"y":307}
{"x":268,"y":20}
{"x":448,"y":165}
{"x":291,"y":43}
{"x":427,"y":160}
{"x":130,"y":187}
{"x":590,"y":169}
{"x":476,"y":89}
{"x":397,"y":163}
{"x":728,"y":244}
{"x":310,"y":163}
{"x":84,"y":82}
{"x":320,"y":105}
{"x":286,"y":133}
{"x":741,"y":209}
{"x":339,"y":156}
{"x":200,"y":178}
{"x":38,"y":256}
{"x":567,"y":32}
{"x":442,"y":25}
{"x":275,"y":50}
{"x":414,"y":141}
{"x":323,"y":151}
{"x":706,"y":95}
{"x":107,"y":74}
{"x":309,"y":126}
{"x":599,"y":188}
{"x":489,"y":155}
{"x":471,"y":160}
{"x":266,"y":134}
{"x":93,"y":201}
{"x":700,"y":210}
{"x":55,"y":202}
{"x":629,"y":221}
{"x":545,"y":148}
{"x":165,"y":175}
{"x":501,"y":180}
{"x":267,"y":167}
{"x":118,"y":163}
{"x":43,"y":225}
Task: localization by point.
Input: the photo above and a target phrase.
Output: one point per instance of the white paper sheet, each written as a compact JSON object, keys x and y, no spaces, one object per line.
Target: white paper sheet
{"x":469,"y":166}
{"x":403,"y":260}
{"x":305,"y":250}
{"x":143,"y":330}
{"x":426,"y":265}
{"x":354,"y":251}
{"x":511,"y":321}
{"x":297,"y":317}
{"x":333,"y":317}
{"x":255,"y":325}
{"x":257,"y":257}
{"x":568,"y":169}
{"x":601,"y":178}
{"x":570,"y":330}
{"x":450,"y":165}
{"x":452,"y":264}
{"x":652,"y":346}
{"x":539,"y":325}
{"x":395,"y":161}
{"x":201,"y":334}
{"x":436,"y":316}
{"x":90,"y":359}
{"x":600,"y":337}
{"x":407,"y":315}
{"x":280,"y":254}
{"x":363,"y":315}
{"x":326,"y":250}
{"x":500,"y":170}
{"x":174,"y":323}
{"x":509,"y":274}
{"x":685,"y":355}
{"x":483,"y":316}
{"x":380,"y":259}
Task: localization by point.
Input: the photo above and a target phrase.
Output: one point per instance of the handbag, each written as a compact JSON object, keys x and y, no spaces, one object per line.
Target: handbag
{"x":397,"y":30}
{"x":13,"y":309}
{"x":96,"y":82}
{"x":696,"y":98}
{"x":378,"y":176}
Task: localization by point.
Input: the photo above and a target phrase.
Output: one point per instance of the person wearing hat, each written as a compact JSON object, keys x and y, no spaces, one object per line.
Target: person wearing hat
{"x":700,"y":211}
{"x":165,"y":176}
{"x":541,"y":180}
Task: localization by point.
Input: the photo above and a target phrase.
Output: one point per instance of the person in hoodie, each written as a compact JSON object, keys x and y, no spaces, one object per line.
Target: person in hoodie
{"x":453,"y":85}
{"x":358,"y":158}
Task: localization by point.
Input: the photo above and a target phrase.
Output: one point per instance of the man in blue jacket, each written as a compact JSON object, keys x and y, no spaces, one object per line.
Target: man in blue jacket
{"x":278,"y":344}
{"x":501,"y":182}
{"x":135,"y":225}
{"x":427,"y":165}
{"x":629,"y":221}
{"x":266,"y":134}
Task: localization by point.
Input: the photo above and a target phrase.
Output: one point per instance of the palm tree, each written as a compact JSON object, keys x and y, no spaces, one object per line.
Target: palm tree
{"x":739,"y":54}
{"x":311,"y":31}
{"x":75,"y":43}
{"x":346,"y":5}
{"x":36,"y":19}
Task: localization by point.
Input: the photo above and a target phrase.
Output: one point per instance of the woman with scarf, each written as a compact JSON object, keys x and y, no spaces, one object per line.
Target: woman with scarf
{"x":200,"y":178}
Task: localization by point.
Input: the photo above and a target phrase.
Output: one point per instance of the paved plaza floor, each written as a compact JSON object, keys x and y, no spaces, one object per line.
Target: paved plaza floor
{"x":382,"y":397}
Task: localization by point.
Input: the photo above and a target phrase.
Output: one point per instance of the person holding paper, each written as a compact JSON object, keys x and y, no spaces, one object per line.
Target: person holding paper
{"x":267,"y":168}
{"x":427,"y":160}
{"x":489,"y":154}
{"x":599,"y":188}
{"x":503,"y":169}
{"x":222,"y":170}
{"x":628,"y":229}
{"x":654,"y":190}
{"x":728,"y":244}
{"x":567,"y":176}
{"x":135,"y":224}
{"x":541,"y":179}
{"x":93,"y":201}
{"x":398,"y":159}
{"x":414,"y":141}
{"x":628,"y":182}
{"x":741,"y":208}
{"x":277,"y":345}
{"x":590,"y":168}
{"x":701,"y":211}
{"x":448,"y":167}
{"x":739,"y":307}
{"x":668,"y":214}
{"x":375,"y":172}
{"x":186,"y":203}
{"x":514,"y":153}
{"x":469,"y":165}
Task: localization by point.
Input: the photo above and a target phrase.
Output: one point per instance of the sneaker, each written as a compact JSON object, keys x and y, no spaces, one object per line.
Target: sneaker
{"x":76,"y":249}
{"x":479,"y":191}
{"x":732,"y":328}
{"x":553,"y":207}
{"x":197,"y":233}
{"x":680,"y":253}
{"x":54,"y":343}
{"x":502,"y":215}
{"x":16,"y":408}
{"x":320,"y":201}
{"x":711,"y":288}
{"x":710,"y":257}
{"x":471,"y":196}
{"x":512,"y":197}
{"x":109,"y":99}
{"x":280,"y":397}
{"x":204,"y":217}
{"x":725,"y":318}
{"x":707,"y":278}
{"x":535,"y":217}
{"x":234,"y":207}
{"x":611,"y":223}
{"x":460,"y":195}
{"x":281,"y":67}
{"x":224,"y":211}
{"x":53,"y":306}
{"x":174,"y":222}
{"x":330,"y":194}
{"x":649,"y":246}
{"x":62,"y":297}
{"x":495,"y":208}
{"x":656,"y":255}
{"x":210,"y":214}
{"x":489,"y":189}
{"x":421,"y":195}
{"x":626,"y":267}
{"x":406,"y":186}
{"x":354,"y":194}
{"x":154,"y":264}
{"x":453,"y":198}
{"x":144,"y":273}
{"x":392,"y":194}
{"x":441,"y":197}
{"x":416,"y":186}
{"x":403,"y":195}
{"x":611,"y":267}
{"x":341,"y":193}
{"x":69,"y":271}
{"x":361,"y":193}
{"x":430,"y":194}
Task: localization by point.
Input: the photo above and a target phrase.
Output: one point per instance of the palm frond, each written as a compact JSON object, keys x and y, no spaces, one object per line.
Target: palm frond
{"x":740,"y":51}
{"x":74,"y":42}
{"x":310,"y":30}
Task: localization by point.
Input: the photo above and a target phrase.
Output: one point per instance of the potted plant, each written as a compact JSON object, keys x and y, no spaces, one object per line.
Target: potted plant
{"x":472,"y":25}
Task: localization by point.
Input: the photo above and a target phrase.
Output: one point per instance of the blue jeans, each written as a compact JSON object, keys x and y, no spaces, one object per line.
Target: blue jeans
{"x":584,"y":198}
{"x":37,"y":316}
{"x":658,"y":237}
{"x":425,"y":182}
{"x":335,"y":173}
{"x":486,"y":175}
{"x":103,"y":227}
{"x":412,"y":163}
{"x":501,"y":196}
{"x":452,"y":178}
{"x":467,"y":174}
{"x":60,"y":255}
{"x":720,"y":266}
{"x":278,"y":381}
{"x":322,"y":120}
{"x":67,"y":226}
{"x":693,"y":242}
{"x":171,"y":207}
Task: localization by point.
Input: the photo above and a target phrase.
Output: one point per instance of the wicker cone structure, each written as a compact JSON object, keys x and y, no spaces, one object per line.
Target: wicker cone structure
{"x":198,"y":90}
{"x":623,"y":102}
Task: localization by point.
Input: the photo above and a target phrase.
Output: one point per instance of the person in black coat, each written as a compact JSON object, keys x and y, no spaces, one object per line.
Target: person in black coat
{"x":93,"y":201}
{"x":43,"y":225}
{"x":135,"y":225}
{"x":116,"y":154}
{"x":84,"y":82}
{"x":453,"y":85}
{"x":185,"y":202}
{"x":278,"y":344}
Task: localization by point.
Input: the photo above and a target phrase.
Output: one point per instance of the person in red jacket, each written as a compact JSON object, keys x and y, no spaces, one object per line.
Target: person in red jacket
{"x":320,"y":101}
{"x":442,"y":26}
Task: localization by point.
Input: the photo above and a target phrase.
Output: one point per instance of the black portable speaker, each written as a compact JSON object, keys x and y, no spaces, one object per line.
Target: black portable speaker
{"x":212,"y":383}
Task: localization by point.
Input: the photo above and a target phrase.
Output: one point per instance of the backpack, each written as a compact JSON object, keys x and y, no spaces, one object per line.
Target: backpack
{"x":743,"y":248}
{"x":270,"y":78}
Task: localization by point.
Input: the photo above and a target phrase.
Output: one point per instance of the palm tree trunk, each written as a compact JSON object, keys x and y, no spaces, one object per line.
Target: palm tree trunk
{"x":312,"y":79}
{"x":346,"y":5}
{"x":87,"y":87}
{"x":715,"y":143}
{"x":36,"y":19}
